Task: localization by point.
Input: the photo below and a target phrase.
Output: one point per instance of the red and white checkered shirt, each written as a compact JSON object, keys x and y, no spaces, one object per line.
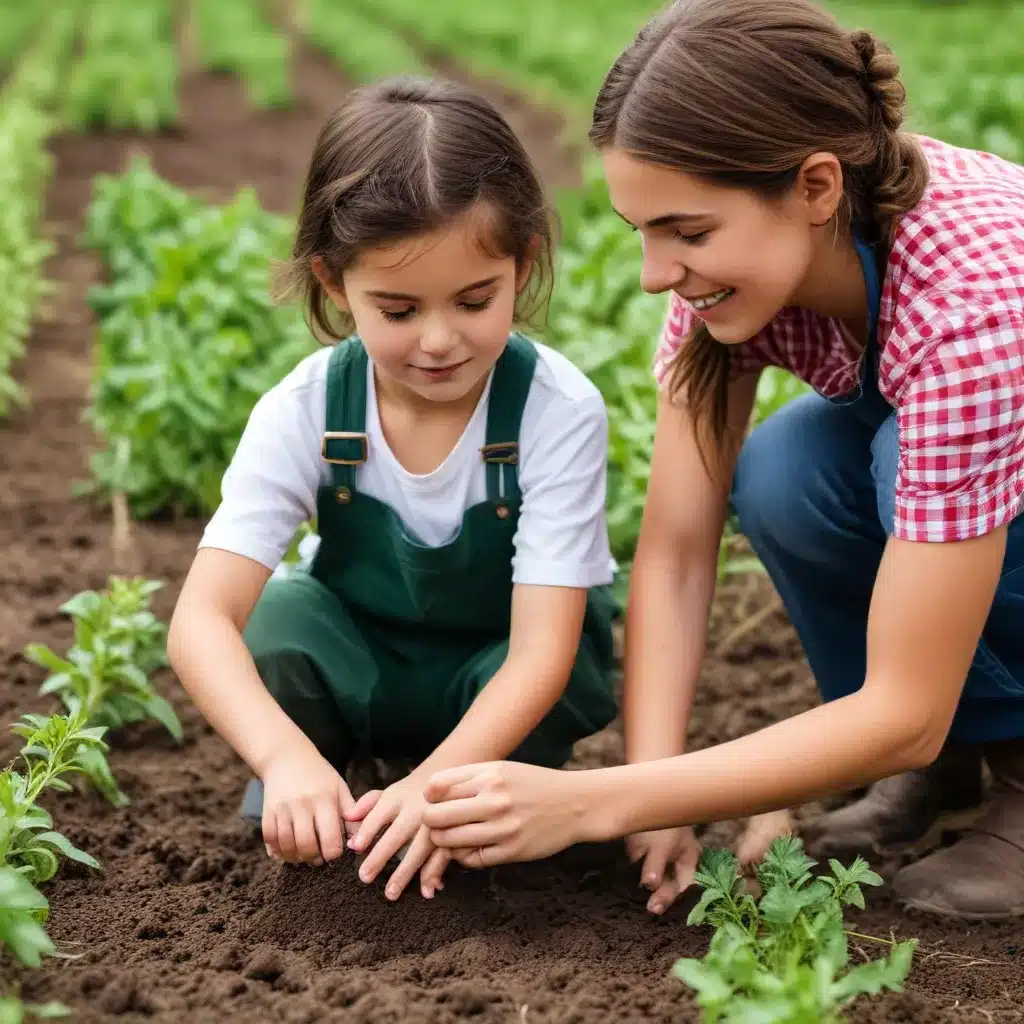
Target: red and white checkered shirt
{"x":951,"y":344}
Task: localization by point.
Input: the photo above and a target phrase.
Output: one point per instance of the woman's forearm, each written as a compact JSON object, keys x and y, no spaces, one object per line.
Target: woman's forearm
{"x":213,"y":664}
{"x":666,"y":634}
{"x":833,"y":748}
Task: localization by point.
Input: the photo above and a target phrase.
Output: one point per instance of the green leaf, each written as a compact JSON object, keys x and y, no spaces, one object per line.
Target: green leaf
{"x":49,"y":1011}
{"x":42,"y":655}
{"x":65,"y":846}
{"x":162,"y":711}
{"x":25,"y":937}
{"x":18,"y":893}
{"x":704,"y":979}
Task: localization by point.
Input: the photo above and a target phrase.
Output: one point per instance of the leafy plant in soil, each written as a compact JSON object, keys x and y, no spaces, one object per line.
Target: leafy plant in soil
{"x":30,"y":849}
{"x":783,"y":959}
{"x":118,"y":643}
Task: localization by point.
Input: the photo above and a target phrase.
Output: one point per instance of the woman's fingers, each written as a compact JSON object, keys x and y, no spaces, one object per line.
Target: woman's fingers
{"x":431,"y":881}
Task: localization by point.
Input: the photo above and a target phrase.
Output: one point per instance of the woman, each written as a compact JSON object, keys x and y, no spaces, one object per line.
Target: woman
{"x":757,"y":147}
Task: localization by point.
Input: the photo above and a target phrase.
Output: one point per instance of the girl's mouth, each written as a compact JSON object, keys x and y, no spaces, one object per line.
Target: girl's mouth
{"x":441,"y":372}
{"x":705,"y":302}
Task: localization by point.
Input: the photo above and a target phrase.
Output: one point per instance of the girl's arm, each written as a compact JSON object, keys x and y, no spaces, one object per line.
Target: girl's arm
{"x":546,"y":626}
{"x":207,"y":653}
{"x":920,"y":647}
{"x":304,"y":797}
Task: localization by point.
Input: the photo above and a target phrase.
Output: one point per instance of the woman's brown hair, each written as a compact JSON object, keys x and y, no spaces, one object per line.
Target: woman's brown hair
{"x":403,"y":157}
{"x":740,"y":93}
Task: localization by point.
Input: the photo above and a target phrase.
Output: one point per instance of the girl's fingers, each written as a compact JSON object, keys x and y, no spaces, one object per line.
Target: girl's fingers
{"x":286,"y":836}
{"x":381,"y":814}
{"x":304,"y":829}
{"x":386,"y":847}
{"x":430,"y":877}
{"x":330,"y":829}
{"x":418,"y":854}
{"x":363,"y":805}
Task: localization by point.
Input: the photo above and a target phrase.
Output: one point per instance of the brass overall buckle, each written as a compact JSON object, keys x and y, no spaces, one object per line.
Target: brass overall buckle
{"x":344,"y":435}
{"x":501,"y":451}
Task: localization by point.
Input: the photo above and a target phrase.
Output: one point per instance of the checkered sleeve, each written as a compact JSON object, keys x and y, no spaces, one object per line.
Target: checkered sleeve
{"x":961,"y":426}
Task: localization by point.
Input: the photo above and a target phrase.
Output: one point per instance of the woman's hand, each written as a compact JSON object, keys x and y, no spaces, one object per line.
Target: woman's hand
{"x":504,"y":811}
{"x":400,"y":808}
{"x":670,"y":859}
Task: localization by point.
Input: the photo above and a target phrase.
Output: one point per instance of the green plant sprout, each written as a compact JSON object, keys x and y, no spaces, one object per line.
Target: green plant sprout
{"x":14,"y":1011}
{"x":30,"y":849}
{"x":783,"y":959}
{"x":118,"y":643}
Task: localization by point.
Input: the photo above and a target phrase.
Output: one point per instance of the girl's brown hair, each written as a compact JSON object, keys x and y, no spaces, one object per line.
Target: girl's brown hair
{"x":406,"y":156}
{"x":740,"y":93}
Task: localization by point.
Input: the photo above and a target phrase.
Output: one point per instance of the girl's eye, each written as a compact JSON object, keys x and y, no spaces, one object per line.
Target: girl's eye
{"x":477,"y":307}
{"x":402,"y":314}
{"x":692,"y":239}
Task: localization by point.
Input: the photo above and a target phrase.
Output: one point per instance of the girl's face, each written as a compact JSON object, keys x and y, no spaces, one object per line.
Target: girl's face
{"x":434,"y":311}
{"x":734,"y":258}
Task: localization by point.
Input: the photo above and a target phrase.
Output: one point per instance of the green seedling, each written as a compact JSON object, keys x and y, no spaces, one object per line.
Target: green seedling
{"x":30,"y":849}
{"x":783,"y":958}
{"x":118,"y":643}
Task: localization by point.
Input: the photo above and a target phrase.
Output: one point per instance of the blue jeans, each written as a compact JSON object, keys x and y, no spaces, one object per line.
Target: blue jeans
{"x":814,"y":493}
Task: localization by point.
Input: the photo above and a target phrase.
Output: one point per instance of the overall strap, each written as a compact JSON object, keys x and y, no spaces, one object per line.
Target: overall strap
{"x":510,"y":387}
{"x":874,"y":275}
{"x":344,"y":443}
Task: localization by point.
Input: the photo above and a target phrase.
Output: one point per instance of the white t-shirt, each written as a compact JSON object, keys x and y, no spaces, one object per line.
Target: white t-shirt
{"x":270,"y":488}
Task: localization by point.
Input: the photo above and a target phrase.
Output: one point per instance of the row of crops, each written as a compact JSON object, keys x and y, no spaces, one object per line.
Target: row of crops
{"x":104,"y":683}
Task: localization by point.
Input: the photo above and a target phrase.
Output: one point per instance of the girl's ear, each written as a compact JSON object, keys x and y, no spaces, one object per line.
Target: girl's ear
{"x":819,"y":187}
{"x":334,"y":288}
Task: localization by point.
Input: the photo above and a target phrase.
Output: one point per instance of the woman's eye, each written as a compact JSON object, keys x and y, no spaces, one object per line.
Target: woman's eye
{"x":477,"y":307}
{"x":692,"y":239}
{"x":392,"y":315}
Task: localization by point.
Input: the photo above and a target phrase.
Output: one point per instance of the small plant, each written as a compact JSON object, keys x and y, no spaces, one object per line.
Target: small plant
{"x":118,"y":643}
{"x":30,"y":849}
{"x":783,"y":959}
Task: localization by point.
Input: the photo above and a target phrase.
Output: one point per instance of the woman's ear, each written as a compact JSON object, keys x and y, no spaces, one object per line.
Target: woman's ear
{"x":820,"y":187}
{"x":334,"y":288}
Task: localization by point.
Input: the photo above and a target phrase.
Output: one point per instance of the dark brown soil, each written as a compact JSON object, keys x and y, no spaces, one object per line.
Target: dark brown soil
{"x":189,"y":920}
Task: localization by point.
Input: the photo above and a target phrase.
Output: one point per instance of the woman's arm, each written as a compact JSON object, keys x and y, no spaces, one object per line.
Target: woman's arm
{"x":920,"y":646}
{"x":673,"y":578}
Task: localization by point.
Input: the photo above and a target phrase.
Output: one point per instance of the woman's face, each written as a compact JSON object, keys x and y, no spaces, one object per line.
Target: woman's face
{"x":733,"y":257}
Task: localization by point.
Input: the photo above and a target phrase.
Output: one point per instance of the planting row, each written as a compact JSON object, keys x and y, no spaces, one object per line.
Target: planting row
{"x":103,"y":683}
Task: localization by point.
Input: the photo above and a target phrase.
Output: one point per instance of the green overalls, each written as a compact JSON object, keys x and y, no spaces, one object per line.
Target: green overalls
{"x":379,"y":649}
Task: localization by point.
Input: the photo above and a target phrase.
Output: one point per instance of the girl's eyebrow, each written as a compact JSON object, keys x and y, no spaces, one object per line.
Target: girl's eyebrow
{"x":403,"y":297}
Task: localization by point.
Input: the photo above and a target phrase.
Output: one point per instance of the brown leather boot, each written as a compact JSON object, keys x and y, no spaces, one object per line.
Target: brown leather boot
{"x":980,"y":877}
{"x":906,"y":812}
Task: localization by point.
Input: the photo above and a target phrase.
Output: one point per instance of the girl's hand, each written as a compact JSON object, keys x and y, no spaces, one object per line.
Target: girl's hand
{"x":304,"y":803}
{"x":670,"y":860}
{"x":400,"y":808}
{"x":504,"y":811}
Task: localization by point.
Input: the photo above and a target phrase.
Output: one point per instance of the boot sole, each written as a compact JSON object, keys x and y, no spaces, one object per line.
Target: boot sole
{"x":958,"y":915}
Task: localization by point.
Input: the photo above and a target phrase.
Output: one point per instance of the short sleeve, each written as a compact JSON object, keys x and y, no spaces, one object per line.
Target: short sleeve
{"x":269,"y":489}
{"x":961,"y":428}
{"x":562,"y":538}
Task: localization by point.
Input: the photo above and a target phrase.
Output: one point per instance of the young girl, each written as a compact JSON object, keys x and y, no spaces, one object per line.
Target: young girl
{"x":757,"y":147}
{"x":455,"y":609}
